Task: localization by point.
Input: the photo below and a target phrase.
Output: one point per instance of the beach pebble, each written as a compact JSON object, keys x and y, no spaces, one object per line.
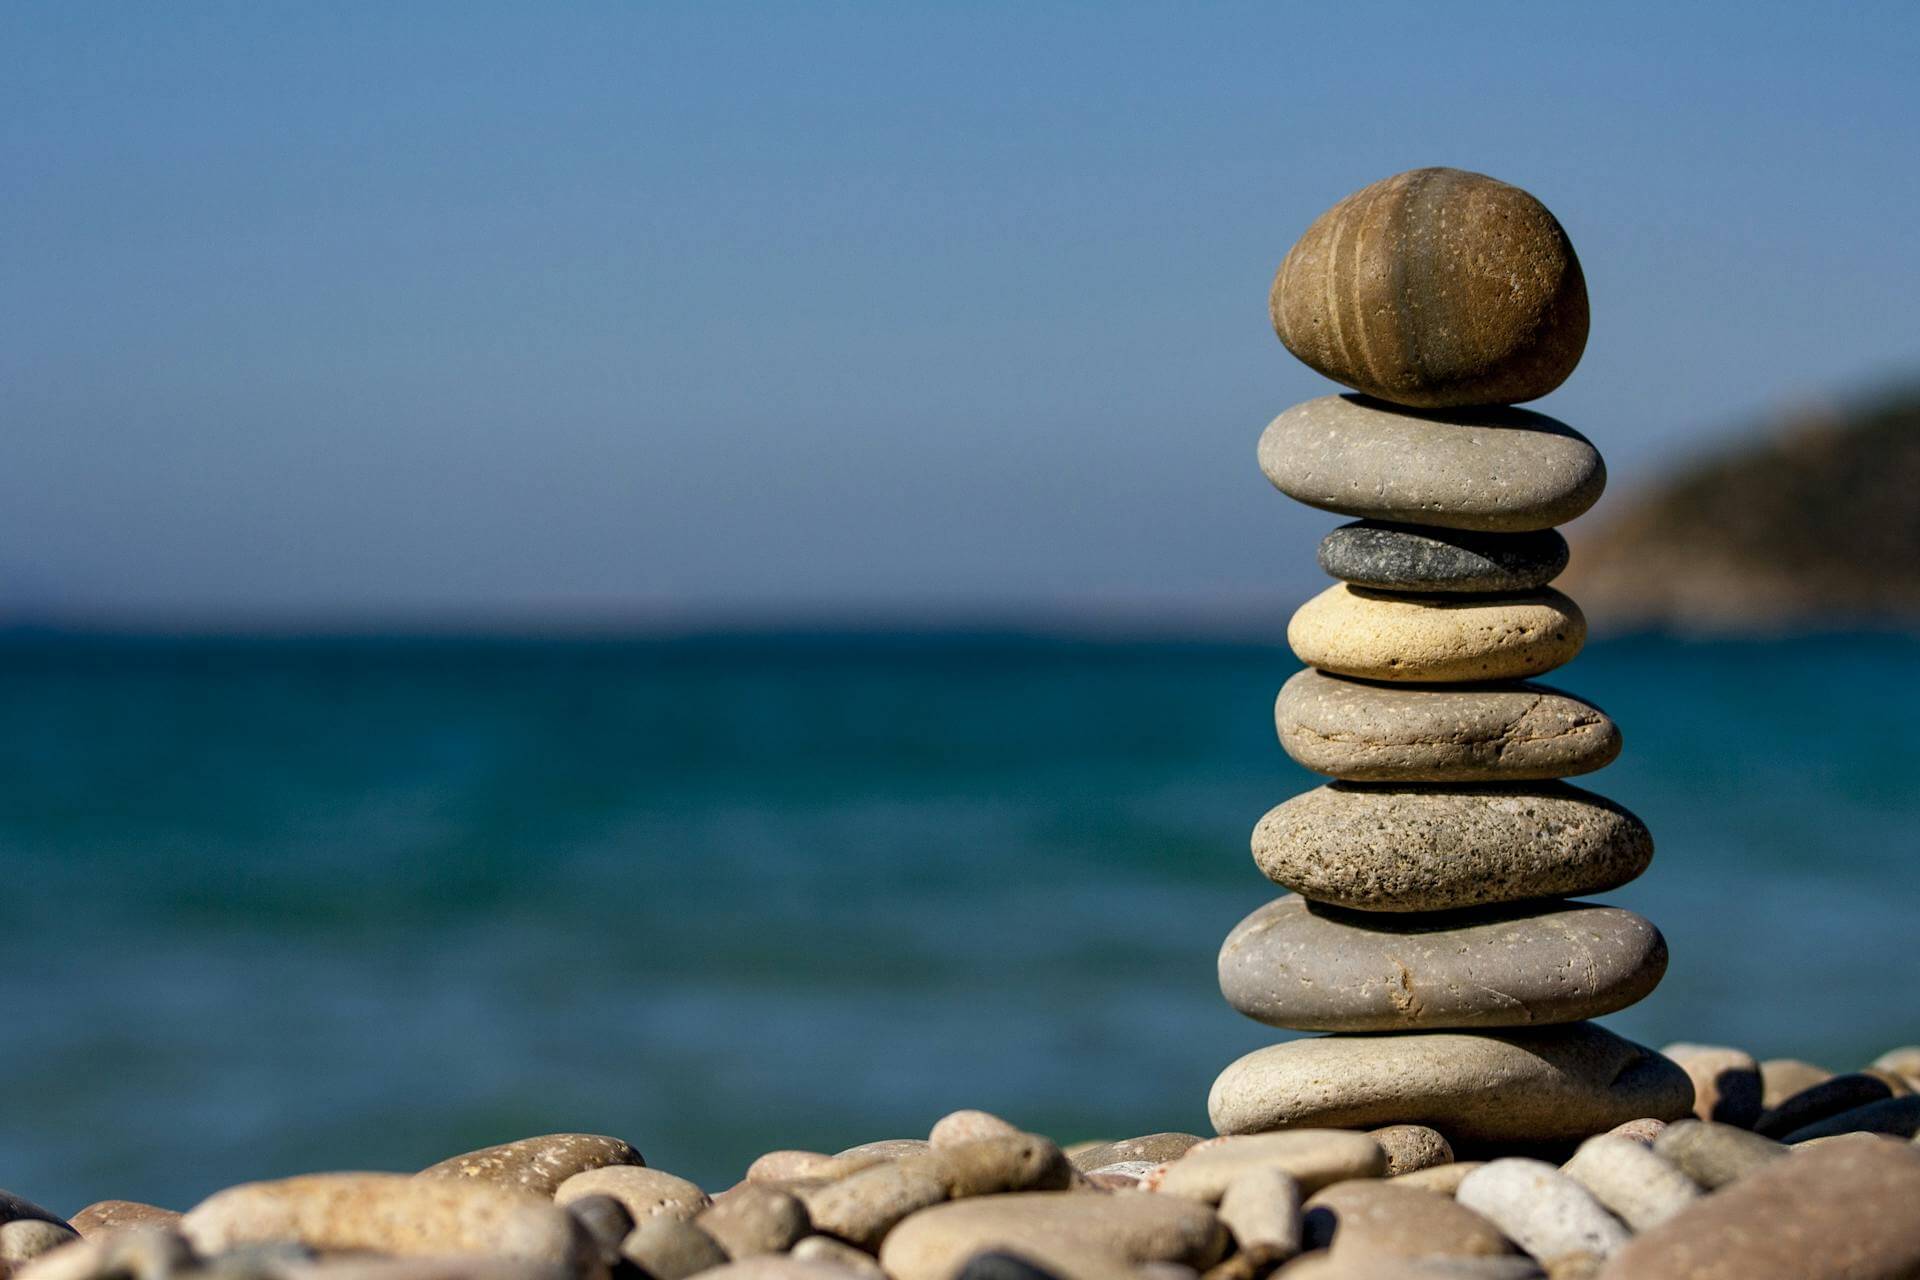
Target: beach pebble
{"x":1781,"y":1078}
{"x":647,"y":1193}
{"x":1642,"y":1130}
{"x":863,"y":1207}
{"x":1486,"y":469}
{"x":538,"y":1165}
{"x":606,"y":1220}
{"x":991,"y":1166}
{"x":24,"y":1239}
{"x":1324,"y":1266}
{"x":1441,"y":1179}
{"x":832,"y":1252}
{"x":1435,"y":287}
{"x":668,"y":1248}
{"x":783,"y":1166}
{"x":1544,"y":1085}
{"x":1847,"y":1209}
{"x":935,"y":1244}
{"x":388,"y":1213}
{"x":1542,"y":1210}
{"x":888,"y":1148}
{"x":278,"y":1264}
{"x":1352,"y":631}
{"x":1132,"y":1169}
{"x":1156,"y":1148}
{"x":1726,"y":1082}
{"x":131,"y":1253}
{"x":105,"y":1216}
{"x":1316,"y":968}
{"x":1311,"y":1157}
{"x":1816,"y":1102}
{"x":1903,"y":1062}
{"x":1636,"y":1185}
{"x":1891,"y":1117}
{"x":758,"y":1220}
{"x":1261,"y":1207}
{"x":1424,"y":558}
{"x":778,"y":1266}
{"x":1425,"y":848}
{"x":1410,"y":1148}
{"x":1389,"y":1219}
{"x":17,"y":1208}
{"x":1366,"y":732}
{"x":1714,"y":1155}
{"x":966,"y":1126}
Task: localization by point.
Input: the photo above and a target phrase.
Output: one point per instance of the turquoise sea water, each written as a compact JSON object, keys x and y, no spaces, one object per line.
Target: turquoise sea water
{"x":276,"y":906}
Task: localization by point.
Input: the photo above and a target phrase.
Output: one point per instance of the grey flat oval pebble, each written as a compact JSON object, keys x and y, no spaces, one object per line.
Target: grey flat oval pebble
{"x":1388,"y":1220}
{"x":1429,"y":848}
{"x":1413,"y":557}
{"x":1494,"y":469}
{"x":1542,"y":1210}
{"x":1714,"y":1155}
{"x":1367,"y":732}
{"x":1637,"y":1185}
{"x":1314,"y":968}
{"x":1542,"y":1085}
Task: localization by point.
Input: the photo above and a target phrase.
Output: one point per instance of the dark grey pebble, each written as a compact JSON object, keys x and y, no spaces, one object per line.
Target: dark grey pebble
{"x":1414,"y":557}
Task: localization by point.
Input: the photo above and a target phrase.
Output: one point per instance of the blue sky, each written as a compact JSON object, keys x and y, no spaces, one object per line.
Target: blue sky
{"x":681,"y":312}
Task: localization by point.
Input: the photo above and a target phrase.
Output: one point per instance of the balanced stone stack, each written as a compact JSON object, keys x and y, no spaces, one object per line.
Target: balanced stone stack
{"x":1431,"y":878}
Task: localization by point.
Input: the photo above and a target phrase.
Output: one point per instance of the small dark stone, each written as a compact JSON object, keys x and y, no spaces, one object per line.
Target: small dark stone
{"x":1412,"y":557}
{"x":1002,"y":1266}
{"x":607,"y":1220}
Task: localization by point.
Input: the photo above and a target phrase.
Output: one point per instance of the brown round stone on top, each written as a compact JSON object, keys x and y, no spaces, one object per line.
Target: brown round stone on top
{"x":1435,"y":287}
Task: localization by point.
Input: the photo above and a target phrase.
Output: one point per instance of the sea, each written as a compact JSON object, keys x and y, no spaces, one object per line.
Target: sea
{"x":278,"y":905}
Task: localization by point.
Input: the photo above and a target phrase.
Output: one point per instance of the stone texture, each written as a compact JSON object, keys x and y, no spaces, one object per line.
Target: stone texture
{"x":1545,"y":1085}
{"x":1781,"y":1078}
{"x":105,"y":1216}
{"x":1316,"y":968}
{"x":668,"y":1248}
{"x":1352,"y":631}
{"x":1489,"y":470}
{"x":1386,"y":1219}
{"x":1714,"y":1155}
{"x":1430,"y":848}
{"x":1845,"y":1209}
{"x":1155,"y":1147}
{"x":1324,"y":1266}
{"x":1642,"y":1130}
{"x":1542,"y":1210}
{"x":992,"y":1166}
{"x":1895,"y":1117}
{"x":1636,"y":1185}
{"x":863,"y":1207}
{"x":1136,"y":1227}
{"x":271,"y":1267}
{"x":1311,"y":1157}
{"x":888,"y":1148}
{"x":832,"y":1252}
{"x":1441,"y":1179}
{"x":1816,"y":1102}
{"x":1903,"y":1061}
{"x":1435,"y":287}
{"x":1261,"y":1207}
{"x":538,"y":1165}
{"x":646,"y":1193}
{"x":25,"y":1239}
{"x":1427,"y":558}
{"x":965,"y":1126}
{"x":780,"y":1267}
{"x":388,"y":1213}
{"x":1726,"y":1082}
{"x":1364,"y":731}
{"x":758,"y":1220}
{"x":134,"y":1253}
{"x":1410,"y":1148}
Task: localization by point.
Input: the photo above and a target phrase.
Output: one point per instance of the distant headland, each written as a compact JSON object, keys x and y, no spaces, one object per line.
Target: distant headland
{"x":1814,"y":525}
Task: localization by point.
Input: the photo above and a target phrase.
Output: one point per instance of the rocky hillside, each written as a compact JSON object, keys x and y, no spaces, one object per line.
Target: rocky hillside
{"x":1816,"y":524}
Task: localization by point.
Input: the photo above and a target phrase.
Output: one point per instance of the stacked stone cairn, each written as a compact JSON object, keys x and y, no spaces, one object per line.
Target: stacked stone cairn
{"x":1432,"y":877}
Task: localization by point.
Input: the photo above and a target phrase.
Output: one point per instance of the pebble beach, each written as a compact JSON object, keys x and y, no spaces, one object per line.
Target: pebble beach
{"x":1455,"y":1111}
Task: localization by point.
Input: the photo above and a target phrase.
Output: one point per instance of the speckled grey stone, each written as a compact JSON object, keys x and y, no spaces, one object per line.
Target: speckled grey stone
{"x":1368,"y":732}
{"x":1495,"y":469}
{"x":1315,"y":968}
{"x":1412,"y":557}
{"x":1538,"y":1085}
{"x":1432,"y":848}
